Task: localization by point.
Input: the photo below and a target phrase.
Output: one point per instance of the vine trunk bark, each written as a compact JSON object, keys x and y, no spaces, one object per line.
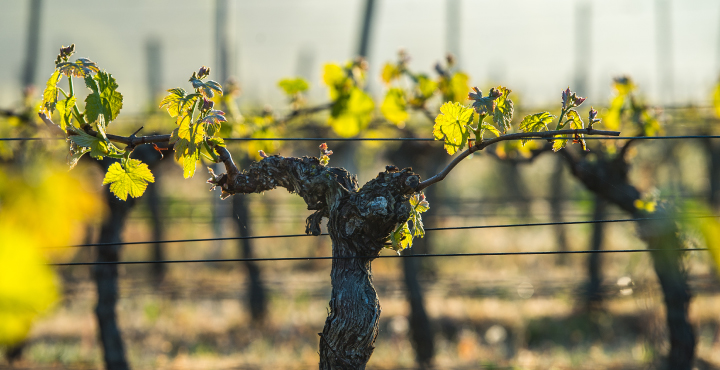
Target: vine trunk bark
{"x":360,"y":220}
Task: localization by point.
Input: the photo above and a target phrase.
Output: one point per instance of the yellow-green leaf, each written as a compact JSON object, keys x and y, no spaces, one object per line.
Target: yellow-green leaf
{"x":131,"y":178}
{"x":334,"y":77}
{"x":187,"y":146}
{"x":486,"y":126}
{"x":425,"y":86}
{"x":353,"y":114}
{"x":50,"y":95}
{"x":503,"y":113}
{"x":536,"y":123}
{"x":98,"y":147}
{"x":390,"y":72}
{"x":80,"y":68}
{"x":576,"y":123}
{"x":207,"y":89}
{"x":560,"y":143}
{"x":65,"y":108}
{"x":178,"y":102}
{"x":394,"y":106}
{"x":293,"y":86}
{"x":451,"y":126}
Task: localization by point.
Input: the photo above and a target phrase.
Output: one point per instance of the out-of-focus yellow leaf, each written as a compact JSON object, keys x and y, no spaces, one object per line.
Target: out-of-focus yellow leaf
{"x":43,"y":212}
{"x":394,"y":107}
{"x":716,"y":99}
{"x":355,"y":116}
{"x":390,"y":72}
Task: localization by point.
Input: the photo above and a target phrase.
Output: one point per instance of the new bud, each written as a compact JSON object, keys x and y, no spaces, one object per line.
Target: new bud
{"x":203,"y":72}
{"x":207,"y":104}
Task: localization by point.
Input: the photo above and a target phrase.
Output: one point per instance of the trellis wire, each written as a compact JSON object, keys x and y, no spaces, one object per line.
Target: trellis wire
{"x":308,"y":258}
{"x":426,"y":229}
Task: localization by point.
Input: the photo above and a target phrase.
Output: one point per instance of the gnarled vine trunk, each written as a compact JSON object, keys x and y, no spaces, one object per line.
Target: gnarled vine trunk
{"x":360,"y":222}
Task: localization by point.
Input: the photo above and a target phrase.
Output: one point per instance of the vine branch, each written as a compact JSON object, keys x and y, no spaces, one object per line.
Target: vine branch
{"x":520,"y":135}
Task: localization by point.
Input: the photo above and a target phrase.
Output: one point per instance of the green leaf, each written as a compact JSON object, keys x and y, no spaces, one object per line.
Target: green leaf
{"x":351,"y":115}
{"x":394,"y":106}
{"x":207,"y":89}
{"x":401,"y":238}
{"x":50,"y":95}
{"x":187,"y":146}
{"x":503,"y":113}
{"x":98,"y":147}
{"x":560,"y":143}
{"x":213,"y":120}
{"x":65,"y":108}
{"x":536,"y":123}
{"x":179,"y":102}
{"x":451,"y":126}
{"x":104,"y":99}
{"x":82,"y":67}
{"x":293,"y":86}
{"x":576,"y":123}
{"x":130,"y":178}
{"x":482,"y":105}
{"x":390,"y":72}
{"x":486,"y":126}
{"x":216,"y":141}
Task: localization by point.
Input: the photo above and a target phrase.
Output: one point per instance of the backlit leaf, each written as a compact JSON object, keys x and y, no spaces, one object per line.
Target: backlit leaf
{"x":80,"y":68}
{"x":179,"y":102}
{"x":65,"y":108}
{"x":187,"y":146}
{"x":98,"y":147}
{"x":536,"y":122}
{"x":394,"y":106}
{"x":50,"y":95}
{"x":104,"y":99}
{"x":503,"y":114}
{"x":131,"y":178}
{"x":451,"y":126}
{"x":207,"y":89}
{"x":487,"y":126}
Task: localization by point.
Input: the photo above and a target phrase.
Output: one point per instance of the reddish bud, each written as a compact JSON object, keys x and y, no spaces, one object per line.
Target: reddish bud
{"x":203,"y":72}
{"x":207,"y":105}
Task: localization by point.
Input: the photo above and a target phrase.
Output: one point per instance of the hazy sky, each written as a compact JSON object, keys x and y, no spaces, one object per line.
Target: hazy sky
{"x":527,"y":45}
